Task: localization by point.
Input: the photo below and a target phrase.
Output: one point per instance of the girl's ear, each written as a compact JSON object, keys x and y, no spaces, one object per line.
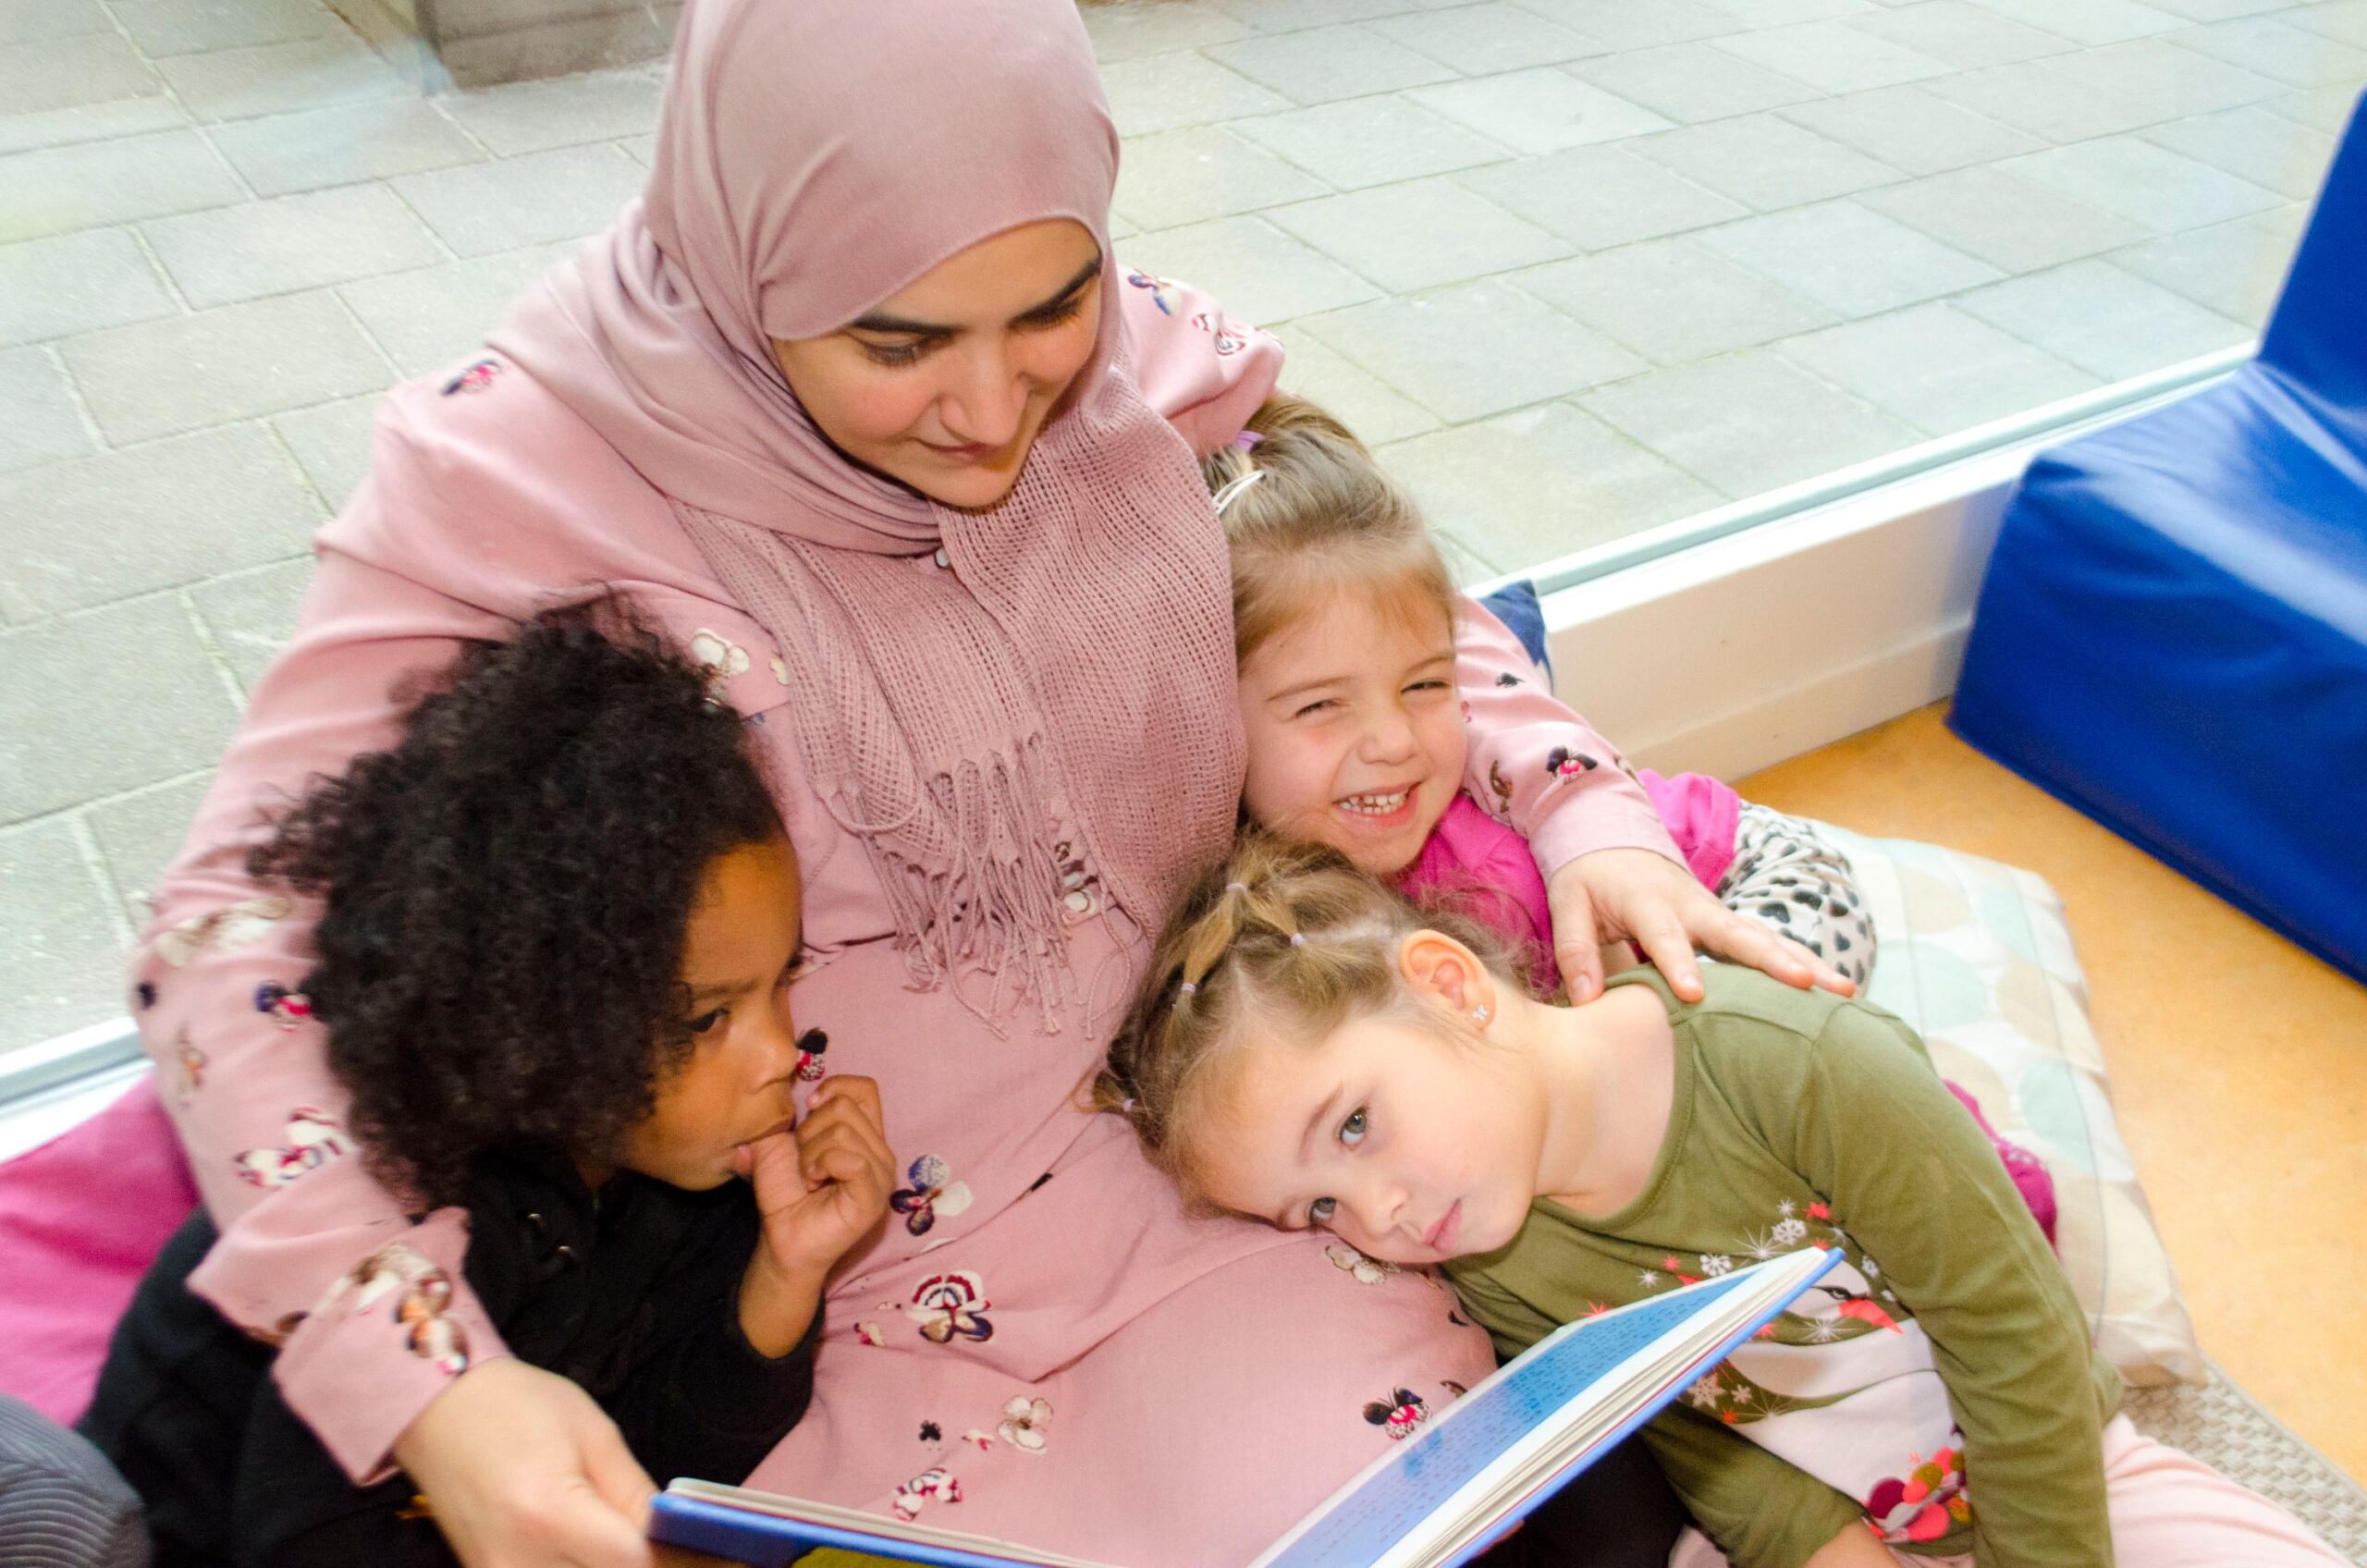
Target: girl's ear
{"x":1443,"y":970}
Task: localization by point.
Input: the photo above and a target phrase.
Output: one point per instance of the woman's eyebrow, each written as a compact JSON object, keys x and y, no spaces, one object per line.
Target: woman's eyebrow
{"x":878,"y":322}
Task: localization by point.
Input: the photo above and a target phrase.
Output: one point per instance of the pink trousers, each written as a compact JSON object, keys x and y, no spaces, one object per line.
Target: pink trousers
{"x":2168,"y":1510}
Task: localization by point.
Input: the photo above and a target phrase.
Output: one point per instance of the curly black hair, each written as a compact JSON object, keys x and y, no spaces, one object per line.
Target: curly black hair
{"x":507,"y":892}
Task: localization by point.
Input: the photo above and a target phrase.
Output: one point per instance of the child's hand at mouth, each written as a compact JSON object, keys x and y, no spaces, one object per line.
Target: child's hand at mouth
{"x":821,"y":1187}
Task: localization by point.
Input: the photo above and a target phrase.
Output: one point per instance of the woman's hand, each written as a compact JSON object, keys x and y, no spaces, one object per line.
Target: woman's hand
{"x":821,"y":1188}
{"x":1636,"y":896}
{"x":523,"y":1471}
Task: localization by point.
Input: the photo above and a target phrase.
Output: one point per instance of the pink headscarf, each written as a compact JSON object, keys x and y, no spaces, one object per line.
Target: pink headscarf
{"x":1071,"y":676}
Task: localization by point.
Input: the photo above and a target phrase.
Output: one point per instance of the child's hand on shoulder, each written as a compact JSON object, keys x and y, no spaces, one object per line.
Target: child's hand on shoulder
{"x":821,"y":1187}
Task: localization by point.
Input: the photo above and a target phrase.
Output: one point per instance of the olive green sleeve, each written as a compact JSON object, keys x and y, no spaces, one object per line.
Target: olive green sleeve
{"x":1510,"y":1321}
{"x":1915,"y":1182}
{"x":1762,"y":1512}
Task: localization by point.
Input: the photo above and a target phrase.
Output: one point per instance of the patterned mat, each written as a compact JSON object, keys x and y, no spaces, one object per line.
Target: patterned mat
{"x":2221,"y":1426}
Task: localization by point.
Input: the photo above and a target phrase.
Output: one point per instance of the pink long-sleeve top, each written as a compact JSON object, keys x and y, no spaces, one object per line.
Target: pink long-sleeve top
{"x":488,"y":500}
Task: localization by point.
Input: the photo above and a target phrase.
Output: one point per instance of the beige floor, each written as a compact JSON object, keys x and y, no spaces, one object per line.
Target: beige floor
{"x":2239,"y":1063}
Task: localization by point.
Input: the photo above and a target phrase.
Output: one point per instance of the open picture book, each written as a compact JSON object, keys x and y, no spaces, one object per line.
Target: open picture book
{"x":1438,"y":1498}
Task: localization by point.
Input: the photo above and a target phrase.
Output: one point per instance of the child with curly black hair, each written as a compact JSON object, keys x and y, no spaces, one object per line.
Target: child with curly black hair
{"x":561,"y":917}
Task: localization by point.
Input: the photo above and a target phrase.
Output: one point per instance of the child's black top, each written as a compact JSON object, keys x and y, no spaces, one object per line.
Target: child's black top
{"x":633,"y":1294}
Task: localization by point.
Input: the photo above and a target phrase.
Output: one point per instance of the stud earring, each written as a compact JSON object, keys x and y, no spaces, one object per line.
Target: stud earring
{"x":1480,"y":1014}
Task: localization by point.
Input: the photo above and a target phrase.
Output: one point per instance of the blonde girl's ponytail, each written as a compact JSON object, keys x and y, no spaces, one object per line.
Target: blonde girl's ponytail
{"x":1307,"y":510}
{"x":1279,"y":942}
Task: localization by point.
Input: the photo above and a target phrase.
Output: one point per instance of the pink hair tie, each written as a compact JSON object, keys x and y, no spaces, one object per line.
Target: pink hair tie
{"x":1246,"y":439}
{"x":1298,"y":938}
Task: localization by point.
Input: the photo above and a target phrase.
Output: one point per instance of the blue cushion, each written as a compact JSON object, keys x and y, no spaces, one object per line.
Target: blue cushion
{"x":2173,"y":632}
{"x":1517,"y":607}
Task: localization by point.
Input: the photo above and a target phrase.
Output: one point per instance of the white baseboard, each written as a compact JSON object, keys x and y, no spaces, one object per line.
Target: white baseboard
{"x":1808,"y":615}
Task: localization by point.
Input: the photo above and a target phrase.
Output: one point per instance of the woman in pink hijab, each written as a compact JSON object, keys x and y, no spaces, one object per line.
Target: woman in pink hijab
{"x":856,"y":403}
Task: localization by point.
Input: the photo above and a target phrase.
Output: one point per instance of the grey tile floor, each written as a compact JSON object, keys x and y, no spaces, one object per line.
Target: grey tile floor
{"x":1578,"y":266}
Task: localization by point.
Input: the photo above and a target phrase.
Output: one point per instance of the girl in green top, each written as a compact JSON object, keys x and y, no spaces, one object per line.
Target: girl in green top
{"x":1311,"y":1051}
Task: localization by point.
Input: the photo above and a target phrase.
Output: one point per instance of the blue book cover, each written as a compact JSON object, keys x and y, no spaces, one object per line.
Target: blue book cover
{"x":1435,"y":1500}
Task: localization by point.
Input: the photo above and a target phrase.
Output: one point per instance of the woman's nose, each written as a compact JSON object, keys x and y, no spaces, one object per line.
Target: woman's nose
{"x":987,"y":403}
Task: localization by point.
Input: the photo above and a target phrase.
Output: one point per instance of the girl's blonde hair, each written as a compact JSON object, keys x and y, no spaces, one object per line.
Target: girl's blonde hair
{"x":1281,"y":940}
{"x":1321,"y":518}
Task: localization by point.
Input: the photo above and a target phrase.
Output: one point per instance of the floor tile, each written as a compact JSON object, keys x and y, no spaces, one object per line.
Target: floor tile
{"x":2220,"y":10}
{"x":2036,"y":97}
{"x":1168,"y":91}
{"x":2266,"y":47}
{"x":113,"y":524}
{"x":1474,"y":350}
{"x":1537,"y":483}
{"x":64,"y":73}
{"x":1671,"y":300}
{"x":532,"y":116}
{"x":332,"y":444}
{"x":1357,"y":399}
{"x":1136,"y":28}
{"x":31,"y":22}
{"x":2148,"y":185}
{"x":1371,"y":142}
{"x":2254,"y":145}
{"x":1623,"y":24}
{"x":78,"y":282}
{"x":284,"y":153}
{"x":1763,"y":161}
{"x":193,"y":26}
{"x":1418,"y":235}
{"x":252,"y":614}
{"x":277,"y":78}
{"x":139,"y":834}
{"x":1691,"y":82}
{"x":2168,"y":80}
{"x":1833,"y":57}
{"x":2013,"y":224}
{"x":1748,"y":423}
{"x":168,"y":709}
{"x":1539,"y":110}
{"x":62,"y":950}
{"x":39,"y":423}
{"x":427,"y":319}
{"x":290,"y":243}
{"x":1182,"y":177}
{"x":1757,"y":13}
{"x":227,"y":363}
{"x":534,"y":199}
{"x":1293,"y":15}
{"x":2327,"y":109}
{"x":2089,"y":22}
{"x":2344,"y":20}
{"x":1486,"y":39}
{"x":1326,"y":64}
{"x":1599,"y":197}
{"x":61,"y":188}
{"x":2108,"y":322}
{"x":1936,"y":368}
{"x":88,"y":122}
{"x":1260,"y":274}
{"x":1959,"y":33}
{"x":1852,"y":260}
{"x":1910,"y":128}
{"x":2234,"y":269}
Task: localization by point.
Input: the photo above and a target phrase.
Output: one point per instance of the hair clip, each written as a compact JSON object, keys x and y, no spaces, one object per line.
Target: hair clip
{"x":1233,"y":487}
{"x":1248,"y":439}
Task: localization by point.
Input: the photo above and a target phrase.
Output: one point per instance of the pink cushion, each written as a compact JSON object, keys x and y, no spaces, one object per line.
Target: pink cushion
{"x":81,"y":1219}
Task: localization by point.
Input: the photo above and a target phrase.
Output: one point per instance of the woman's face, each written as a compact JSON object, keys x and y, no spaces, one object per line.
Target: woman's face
{"x":943,"y":385}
